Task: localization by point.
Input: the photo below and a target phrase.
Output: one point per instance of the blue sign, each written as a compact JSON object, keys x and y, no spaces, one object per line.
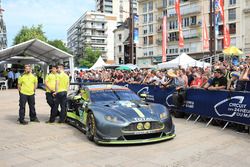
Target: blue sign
{"x":136,"y":35}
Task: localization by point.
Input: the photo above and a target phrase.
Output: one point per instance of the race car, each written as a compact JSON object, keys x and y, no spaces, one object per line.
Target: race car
{"x":112,"y":114}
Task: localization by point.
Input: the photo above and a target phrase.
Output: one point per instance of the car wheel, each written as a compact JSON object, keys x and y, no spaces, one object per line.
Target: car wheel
{"x":90,"y":127}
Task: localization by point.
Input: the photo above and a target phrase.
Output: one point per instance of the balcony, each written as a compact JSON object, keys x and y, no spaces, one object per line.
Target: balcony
{"x":95,"y":42}
{"x":186,"y":10}
{"x":95,"y":35}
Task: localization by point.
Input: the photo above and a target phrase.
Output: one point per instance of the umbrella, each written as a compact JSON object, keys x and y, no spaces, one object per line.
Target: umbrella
{"x":126,"y":68}
{"x":232,"y":50}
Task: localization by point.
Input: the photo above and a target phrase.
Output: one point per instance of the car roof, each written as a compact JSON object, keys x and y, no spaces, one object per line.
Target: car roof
{"x":99,"y":87}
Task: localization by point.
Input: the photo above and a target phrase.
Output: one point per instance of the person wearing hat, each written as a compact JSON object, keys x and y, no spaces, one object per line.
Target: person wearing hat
{"x":233,"y":81}
{"x":174,"y":80}
{"x":219,"y":82}
{"x":27,"y":84}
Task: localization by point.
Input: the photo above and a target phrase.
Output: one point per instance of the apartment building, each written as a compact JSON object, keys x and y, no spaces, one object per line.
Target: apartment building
{"x":93,"y":29}
{"x":119,"y":8}
{"x":3,"y":33}
{"x":150,"y":28}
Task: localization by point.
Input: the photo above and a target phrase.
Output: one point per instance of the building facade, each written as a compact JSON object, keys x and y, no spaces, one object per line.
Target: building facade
{"x":119,"y":8}
{"x":151,"y":13}
{"x":3,"y":31}
{"x":121,"y":35}
{"x":95,"y":30}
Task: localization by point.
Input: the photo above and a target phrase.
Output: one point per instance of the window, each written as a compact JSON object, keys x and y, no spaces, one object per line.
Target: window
{"x":120,"y":37}
{"x":185,"y":22}
{"x":232,"y":28}
{"x":233,"y":41}
{"x":145,"y":40}
{"x":173,"y":25}
{"x":145,"y":30}
{"x":150,"y":17}
{"x":145,"y":7}
{"x":173,"y":36}
{"x":151,"y":40}
{"x":151,"y":29}
{"x":145,"y":18}
{"x":231,"y":14}
{"x":120,"y":49}
{"x":151,"y":53}
{"x":193,"y":20}
{"x":150,"y":6}
{"x":171,"y":2}
{"x":232,"y":2}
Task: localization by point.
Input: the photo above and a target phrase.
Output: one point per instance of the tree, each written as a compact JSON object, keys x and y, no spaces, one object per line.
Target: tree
{"x":90,"y":57}
{"x":27,"y":33}
{"x":59,"y":44}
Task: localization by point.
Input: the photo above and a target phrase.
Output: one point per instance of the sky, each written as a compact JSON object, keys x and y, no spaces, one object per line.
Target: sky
{"x":56,"y":16}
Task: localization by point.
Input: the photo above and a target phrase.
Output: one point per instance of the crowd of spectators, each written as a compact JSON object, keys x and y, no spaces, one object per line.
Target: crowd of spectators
{"x":220,"y":76}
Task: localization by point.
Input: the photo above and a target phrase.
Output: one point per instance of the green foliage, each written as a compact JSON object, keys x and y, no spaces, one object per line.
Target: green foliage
{"x":59,"y":44}
{"x":27,"y":33}
{"x":90,"y":57}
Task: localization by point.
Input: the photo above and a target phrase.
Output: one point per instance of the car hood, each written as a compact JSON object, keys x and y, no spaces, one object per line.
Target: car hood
{"x":132,"y":111}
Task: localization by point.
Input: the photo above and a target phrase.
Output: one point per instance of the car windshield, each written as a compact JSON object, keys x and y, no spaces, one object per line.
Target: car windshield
{"x":112,"y":95}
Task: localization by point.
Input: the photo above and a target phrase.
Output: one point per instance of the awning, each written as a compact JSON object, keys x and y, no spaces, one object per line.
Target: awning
{"x":36,"y":50}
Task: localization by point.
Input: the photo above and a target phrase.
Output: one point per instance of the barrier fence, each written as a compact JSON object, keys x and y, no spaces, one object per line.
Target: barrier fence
{"x":225,"y":105}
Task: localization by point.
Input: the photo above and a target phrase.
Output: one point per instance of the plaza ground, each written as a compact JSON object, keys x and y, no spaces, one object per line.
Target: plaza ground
{"x":40,"y":144}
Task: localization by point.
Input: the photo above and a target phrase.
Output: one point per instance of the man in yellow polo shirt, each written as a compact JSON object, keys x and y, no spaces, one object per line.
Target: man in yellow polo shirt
{"x":62,"y":85}
{"x":27,"y":84}
{"x":50,"y":83}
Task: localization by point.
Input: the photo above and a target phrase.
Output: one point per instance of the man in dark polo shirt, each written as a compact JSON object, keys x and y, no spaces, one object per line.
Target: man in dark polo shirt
{"x":219,"y":82}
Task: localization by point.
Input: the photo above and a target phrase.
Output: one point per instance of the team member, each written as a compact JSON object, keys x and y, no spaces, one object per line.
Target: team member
{"x":50,"y":83}
{"x":62,"y":85}
{"x":27,"y":84}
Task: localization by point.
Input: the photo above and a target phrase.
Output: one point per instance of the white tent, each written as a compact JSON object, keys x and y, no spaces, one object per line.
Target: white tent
{"x":184,"y":61}
{"x":99,"y":64}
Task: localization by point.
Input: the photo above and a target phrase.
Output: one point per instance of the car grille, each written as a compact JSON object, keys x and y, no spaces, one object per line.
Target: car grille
{"x":142,"y":136}
{"x":153,"y":126}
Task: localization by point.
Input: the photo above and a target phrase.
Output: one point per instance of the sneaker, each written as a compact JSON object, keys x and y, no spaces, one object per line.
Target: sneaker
{"x":34,"y":120}
{"x":23,"y":122}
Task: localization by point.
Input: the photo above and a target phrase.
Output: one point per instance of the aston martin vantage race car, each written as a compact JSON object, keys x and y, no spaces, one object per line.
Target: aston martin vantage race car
{"x":111,"y":114}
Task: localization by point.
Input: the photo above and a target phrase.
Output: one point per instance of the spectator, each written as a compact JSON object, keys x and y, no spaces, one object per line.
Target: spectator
{"x":11,"y":78}
{"x":197,"y":82}
{"x":233,"y":81}
{"x":219,"y":82}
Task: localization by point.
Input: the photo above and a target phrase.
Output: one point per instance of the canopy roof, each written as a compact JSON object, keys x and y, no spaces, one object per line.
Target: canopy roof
{"x":184,"y":61}
{"x":99,"y":64}
{"x":33,"y":51}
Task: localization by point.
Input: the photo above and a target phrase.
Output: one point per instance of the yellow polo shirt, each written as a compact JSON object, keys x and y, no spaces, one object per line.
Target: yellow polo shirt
{"x":63,"y":82}
{"x":51,"y":82}
{"x":27,"y":82}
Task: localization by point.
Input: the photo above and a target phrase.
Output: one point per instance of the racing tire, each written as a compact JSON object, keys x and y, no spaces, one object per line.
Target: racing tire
{"x":91,"y":127}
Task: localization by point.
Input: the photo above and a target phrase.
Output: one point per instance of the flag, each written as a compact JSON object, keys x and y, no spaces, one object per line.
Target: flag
{"x":164,"y":38}
{"x":227,"y":40}
{"x":177,"y":9}
{"x":205,"y":35}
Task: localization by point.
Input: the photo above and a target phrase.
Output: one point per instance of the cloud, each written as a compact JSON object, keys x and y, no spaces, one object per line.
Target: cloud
{"x":56,"y":16}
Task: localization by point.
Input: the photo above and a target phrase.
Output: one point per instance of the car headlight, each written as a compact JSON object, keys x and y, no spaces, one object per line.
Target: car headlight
{"x":164,"y":115}
{"x":113,"y":119}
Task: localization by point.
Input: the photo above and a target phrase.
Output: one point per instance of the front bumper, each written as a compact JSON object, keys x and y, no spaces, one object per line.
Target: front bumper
{"x":139,"y":141}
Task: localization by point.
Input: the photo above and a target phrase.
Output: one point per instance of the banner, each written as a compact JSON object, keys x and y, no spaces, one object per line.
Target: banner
{"x":220,"y":13}
{"x":205,"y":35}
{"x":164,"y":38}
{"x":177,"y":9}
{"x":224,"y":105}
{"x":136,"y":35}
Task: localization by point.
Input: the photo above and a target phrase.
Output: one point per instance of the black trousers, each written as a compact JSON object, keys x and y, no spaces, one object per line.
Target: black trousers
{"x":61,"y":99}
{"x":10,"y":83}
{"x":51,"y":101}
{"x":23,"y":99}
